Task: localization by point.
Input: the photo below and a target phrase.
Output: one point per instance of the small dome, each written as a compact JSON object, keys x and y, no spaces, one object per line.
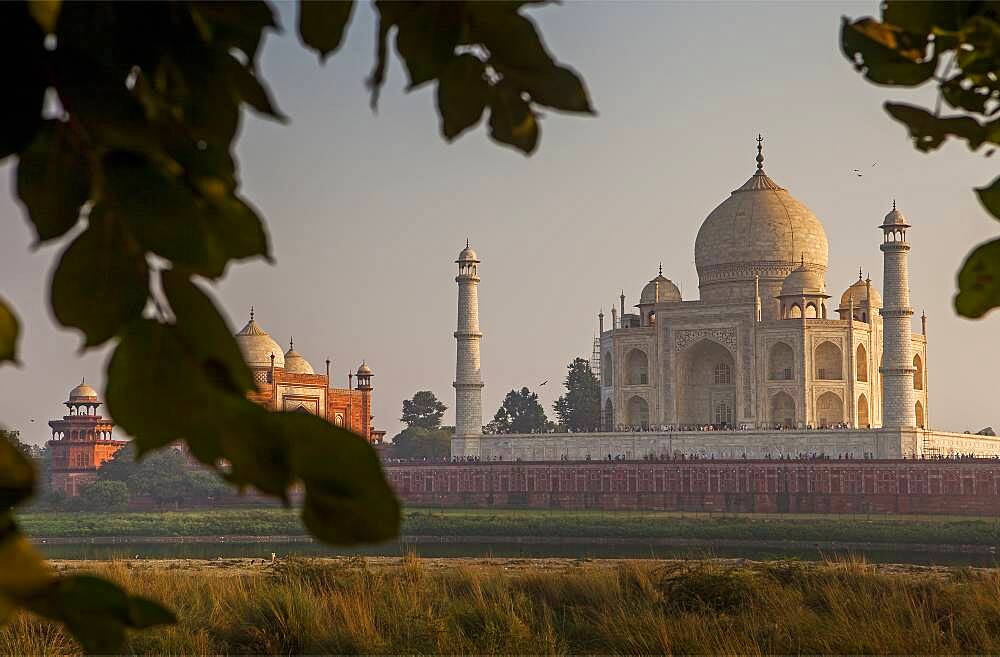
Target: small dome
{"x":364,"y":370}
{"x":894,"y":218}
{"x":83,"y":393}
{"x":659,"y":290}
{"x":859,"y":293}
{"x":467,"y":254}
{"x":257,"y":346}
{"x":295,"y":363}
{"x":804,"y":281}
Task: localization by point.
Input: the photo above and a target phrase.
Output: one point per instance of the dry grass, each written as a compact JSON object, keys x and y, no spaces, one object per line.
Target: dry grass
{"x":356,"y":606}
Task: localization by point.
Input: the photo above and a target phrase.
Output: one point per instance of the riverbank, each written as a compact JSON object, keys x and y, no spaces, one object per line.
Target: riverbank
{"x":557,"y":525}
{"x":564,"y":606}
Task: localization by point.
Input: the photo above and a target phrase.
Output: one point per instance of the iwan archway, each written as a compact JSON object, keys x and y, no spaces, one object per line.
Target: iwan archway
{"x":706,"y":384}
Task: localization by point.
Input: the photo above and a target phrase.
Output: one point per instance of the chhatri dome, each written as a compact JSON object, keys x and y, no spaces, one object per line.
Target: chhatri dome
{"x":83,"y":393}
{"x":295,"y":362}
{"x":257,"y":346}
{"x":858,"y":292}
{"x":804,"y":281}
{"x":760,"y":229}
{"x":659,"y":290}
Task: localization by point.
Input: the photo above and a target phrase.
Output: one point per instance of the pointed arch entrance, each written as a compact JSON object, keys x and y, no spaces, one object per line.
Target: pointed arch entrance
{"x":783,"y":409}
{"x":829,"y":410}
{"x":863,"y":421}
{"x":706,"y":383}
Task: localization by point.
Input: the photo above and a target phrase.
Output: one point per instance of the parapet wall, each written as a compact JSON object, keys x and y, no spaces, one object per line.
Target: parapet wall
{"x":915,"y":486}
{"x":852,"y":443}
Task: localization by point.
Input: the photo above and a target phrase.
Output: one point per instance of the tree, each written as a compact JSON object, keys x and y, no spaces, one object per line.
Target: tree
{"x":956,"y":46}
{"x":520,"y":413}
{"x":164,"y":476}
{"x":424,"y":411}
{"x":104,"y":496}
{"x":580,"y":408}
{"x":125,"y":115}
{"x":420,"y":443}
{"x":14,"y":438}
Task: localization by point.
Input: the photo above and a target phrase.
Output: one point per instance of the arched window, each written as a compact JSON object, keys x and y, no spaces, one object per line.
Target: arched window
{"x":918,"y":412}
{"x":338,"y":419}
{"x":781,"y":363}
{"x":811,"y":311}
{"x":638,"y":412}
{"x":783,"y":409}
{"x":829,"y":410}
{"x":863,"y":421}
{"x":609,"y":416}
{"x":722,"y":374}
{"x":795,"y":312}
{"x":918,"y":373}
{"x":638,"y":368}
{"x":607,"y":367}
{"x":829,"y":362}
{"x":723,"y":413}
{"x":861,"y":363}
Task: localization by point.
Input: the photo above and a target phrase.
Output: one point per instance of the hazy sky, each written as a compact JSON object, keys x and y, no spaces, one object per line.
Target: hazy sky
{"x":368,"y":212}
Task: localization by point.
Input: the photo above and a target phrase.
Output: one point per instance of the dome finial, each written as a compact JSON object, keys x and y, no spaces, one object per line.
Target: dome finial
{"x":760,"y":152}
{"x":893,"y":204}
{"x":466,"y":242}
{"x":291,"y":343}
{"x":859,"y":273}
{"x":251,"y":312}
{"x":661,"y":269}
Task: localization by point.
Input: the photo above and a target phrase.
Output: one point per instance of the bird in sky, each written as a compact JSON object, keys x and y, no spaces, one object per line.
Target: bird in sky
{"x":543,"y":383}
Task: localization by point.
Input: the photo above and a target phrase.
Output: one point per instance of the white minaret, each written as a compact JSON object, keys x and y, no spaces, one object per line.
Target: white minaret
{"x":468,"y":379}
{"x":897,"y":346}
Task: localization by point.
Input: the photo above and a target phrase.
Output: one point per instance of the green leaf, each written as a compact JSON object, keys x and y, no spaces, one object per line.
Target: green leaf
{"x":101,"y":282}
{"x":989,"y":196}
{"x":929,"y":131}
{"x":166,"y":216}
{"x":53,"y":181}
{"x":511,"y":119}
{"x":9,"y":333}
{"x":555,"y":86}
{"x":322,"y":24}
{"x":462,"y":94}
{"x":246,"y":86}
{"x":236,"y":24}
{"x":426,"y":40}
{"x":512,"y":39}
{"x":979,"y":281}
{"x":884,"y":54}
{"x":143,"y":613}
{"x":17,"y":476}
{"x":347,"y":497}
{"x":205,"y":333}
{"x":22,"y":67}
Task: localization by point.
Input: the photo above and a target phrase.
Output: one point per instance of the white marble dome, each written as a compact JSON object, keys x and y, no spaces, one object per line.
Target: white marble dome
{"x":257,"y":346}
{"x":659,"y":290}
{"x":804,"y":281}
{"x":762,"y":229}
{"x":859,"y":293}
{"x":295,"y":362}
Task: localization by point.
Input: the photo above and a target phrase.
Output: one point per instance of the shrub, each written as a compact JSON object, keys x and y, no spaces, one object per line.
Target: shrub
{"x":104,"y":496}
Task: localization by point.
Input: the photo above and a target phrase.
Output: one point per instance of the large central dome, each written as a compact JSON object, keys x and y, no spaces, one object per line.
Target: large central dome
{"x":761,"y":230}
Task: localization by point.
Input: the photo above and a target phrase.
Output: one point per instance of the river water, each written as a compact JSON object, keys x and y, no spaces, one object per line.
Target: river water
{"x":212,"y":550}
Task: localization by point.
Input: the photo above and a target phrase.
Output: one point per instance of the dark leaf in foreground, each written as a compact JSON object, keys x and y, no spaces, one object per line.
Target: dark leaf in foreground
{"x":322,"y":24}
{"x":979,"y":281}
{"x":9,"y":333}
{"x":53,"y":181}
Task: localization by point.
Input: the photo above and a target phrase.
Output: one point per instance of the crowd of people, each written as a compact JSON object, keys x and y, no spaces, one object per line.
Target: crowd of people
{"x":669,"y":428}
{"x":681,"y":456}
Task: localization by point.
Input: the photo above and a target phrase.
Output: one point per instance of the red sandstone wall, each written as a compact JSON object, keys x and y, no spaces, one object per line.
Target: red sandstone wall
{"x":921,"y":487}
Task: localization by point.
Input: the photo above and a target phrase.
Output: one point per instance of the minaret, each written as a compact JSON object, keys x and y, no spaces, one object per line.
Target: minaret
{"x":468,"y":379}
{"x":897,"y":347}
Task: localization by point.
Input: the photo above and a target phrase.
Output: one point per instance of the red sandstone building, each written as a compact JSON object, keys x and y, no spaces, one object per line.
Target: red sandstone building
{"x":287,"y":382}
{"x":81,"y":442}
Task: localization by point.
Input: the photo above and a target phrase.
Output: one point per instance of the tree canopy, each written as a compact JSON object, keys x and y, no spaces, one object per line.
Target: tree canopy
{"x":123,"y":119}
{"x":955,"y":46}
{"x":580,"y":408}
{"x":519,"y":413}
{"x":423,"y":411}
{"x":420,"y":443}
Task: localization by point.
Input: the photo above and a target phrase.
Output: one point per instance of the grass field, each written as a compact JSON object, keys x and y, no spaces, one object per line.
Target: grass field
{"x":417,"y":607}
{"x":582,"y":524}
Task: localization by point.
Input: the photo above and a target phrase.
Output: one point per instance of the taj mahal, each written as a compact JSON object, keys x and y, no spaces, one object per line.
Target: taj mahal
{"x":762,"y":364}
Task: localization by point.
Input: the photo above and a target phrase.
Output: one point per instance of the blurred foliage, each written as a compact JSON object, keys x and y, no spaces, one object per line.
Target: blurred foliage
{"x":954,"y":45}
{"x":123,"y":118}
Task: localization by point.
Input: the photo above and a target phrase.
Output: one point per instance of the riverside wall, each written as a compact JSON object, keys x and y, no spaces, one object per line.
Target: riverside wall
{"x":910,"y":486}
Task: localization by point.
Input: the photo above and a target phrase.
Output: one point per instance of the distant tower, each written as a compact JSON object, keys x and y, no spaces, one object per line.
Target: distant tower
{"x":897,"y":351}
{"x":468,"y":379}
